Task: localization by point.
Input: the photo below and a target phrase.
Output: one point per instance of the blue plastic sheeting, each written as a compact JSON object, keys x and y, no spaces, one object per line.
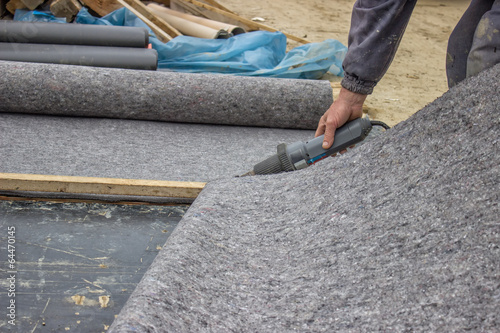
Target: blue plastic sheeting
{"x":258,"y":53}
{"x":37,"y":16}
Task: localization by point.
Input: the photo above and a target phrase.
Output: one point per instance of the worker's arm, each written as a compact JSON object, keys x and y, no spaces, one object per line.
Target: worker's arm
{"x":377,"y":27}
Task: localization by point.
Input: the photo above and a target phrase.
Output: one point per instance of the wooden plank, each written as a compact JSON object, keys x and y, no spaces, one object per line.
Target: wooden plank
{"x":145,"y":12}
{"x":95,"y":185}
{"x":65,"y":8}
{"x":167,"y":14}
{"x":12,"y":5}
{"x":164,"y":2}
{"x":102,"y":7}
{"x":218,"y":5}
{"x":245,"y":21}
{"x":162,"y":35}
{"x":185,"y":7}
{"x":32,"y":4}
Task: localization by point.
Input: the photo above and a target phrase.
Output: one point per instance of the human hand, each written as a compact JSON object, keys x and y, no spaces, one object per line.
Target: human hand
{"x":348,"y":106}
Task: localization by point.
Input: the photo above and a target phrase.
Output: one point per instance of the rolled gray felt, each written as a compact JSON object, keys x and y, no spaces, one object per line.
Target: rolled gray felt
{"x":400,"y":234}
{"x":72,"y":34}
{"x":164,"y":96}
{"x":81,"y":55}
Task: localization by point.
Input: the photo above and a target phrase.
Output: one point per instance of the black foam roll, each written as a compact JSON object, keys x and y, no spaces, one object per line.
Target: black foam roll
{"x":83,"y":55}
{"x":72,"y":34}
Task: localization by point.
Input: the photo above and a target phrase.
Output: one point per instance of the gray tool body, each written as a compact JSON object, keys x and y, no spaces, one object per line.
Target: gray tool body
{"x":299,"y":155}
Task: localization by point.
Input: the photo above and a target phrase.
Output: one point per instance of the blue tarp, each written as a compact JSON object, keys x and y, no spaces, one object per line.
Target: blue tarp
{"x":258,"y":53}
{"x":37,"y":16}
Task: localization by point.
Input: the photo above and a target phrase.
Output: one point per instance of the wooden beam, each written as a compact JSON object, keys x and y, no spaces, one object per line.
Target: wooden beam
{"x":157,"y":24}
{"x":94,"y":185}
{"x":245,"y":21}
{"x":163,"y":2}
{"x":186,"y":8}
{"x":218,"y":5}
{"x":13,"y":5}
{"x":65,"y":8}
{"x":32,"y":4}
{"x":162,"y":35}
{"x":102,"y":7}
{"x":189,"y":8}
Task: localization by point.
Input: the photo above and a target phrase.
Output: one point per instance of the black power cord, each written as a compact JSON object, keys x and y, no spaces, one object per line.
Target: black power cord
{"x":379,"y":123}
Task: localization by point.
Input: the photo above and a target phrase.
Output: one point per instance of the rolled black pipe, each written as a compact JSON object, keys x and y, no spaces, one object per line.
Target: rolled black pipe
{"x":72,"y":34}
{"x":96,"y":56}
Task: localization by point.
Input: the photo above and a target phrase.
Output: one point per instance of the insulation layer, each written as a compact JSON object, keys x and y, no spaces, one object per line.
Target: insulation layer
{"x":133,"y":149}
{"x":82,"y":55}
{"x":400,"y":234}
{"x":72,"y":34}
{"x":163,"y":96}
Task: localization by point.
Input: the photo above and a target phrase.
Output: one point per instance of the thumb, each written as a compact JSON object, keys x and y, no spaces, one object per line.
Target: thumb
{"x":329,"y":135}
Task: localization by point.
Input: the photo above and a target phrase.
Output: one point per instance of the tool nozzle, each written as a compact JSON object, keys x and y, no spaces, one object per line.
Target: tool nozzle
{"x":249,"y":173}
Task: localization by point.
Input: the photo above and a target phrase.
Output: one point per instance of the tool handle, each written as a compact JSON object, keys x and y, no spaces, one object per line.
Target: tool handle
{"x":345,"y":136}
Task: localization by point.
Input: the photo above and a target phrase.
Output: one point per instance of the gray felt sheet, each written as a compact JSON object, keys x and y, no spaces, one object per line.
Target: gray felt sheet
{"x":134,"y":149}
{"x":164,"y":96}
{"x":400,"y":234}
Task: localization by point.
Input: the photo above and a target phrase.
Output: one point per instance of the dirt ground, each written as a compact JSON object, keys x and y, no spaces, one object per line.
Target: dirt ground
{"x":416,"y":77}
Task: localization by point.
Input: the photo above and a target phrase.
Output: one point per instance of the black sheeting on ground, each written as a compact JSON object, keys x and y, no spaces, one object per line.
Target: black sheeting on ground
{"x":75,"y":264}
{"x":399,"y":234}
{"x":163,"y":96}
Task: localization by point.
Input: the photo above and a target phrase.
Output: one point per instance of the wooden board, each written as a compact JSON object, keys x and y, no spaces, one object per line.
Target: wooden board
{"x":103,"y":186}
{"x":164,"y":31}
{"x":102,"y":7}
{"x":247,"y":22}
{"x":32,"y":4}
{"x":12,"y":5}
{"x":65,"y":8}
{"x":218,"y":5}
{"x":189,"y":8}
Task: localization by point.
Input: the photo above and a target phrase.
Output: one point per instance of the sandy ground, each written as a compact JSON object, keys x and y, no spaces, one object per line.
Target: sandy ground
{"x":416,"y":77}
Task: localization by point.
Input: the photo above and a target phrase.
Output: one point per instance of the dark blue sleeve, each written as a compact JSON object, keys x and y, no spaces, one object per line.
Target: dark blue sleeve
{"x":377,"y":27}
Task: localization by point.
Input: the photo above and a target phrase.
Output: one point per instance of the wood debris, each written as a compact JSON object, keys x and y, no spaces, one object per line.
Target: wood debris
{"x":205,"y":12}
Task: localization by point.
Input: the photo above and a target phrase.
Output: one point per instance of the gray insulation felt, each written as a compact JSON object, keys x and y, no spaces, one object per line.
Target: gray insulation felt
{"x":163,"y":96}
{"x":134,"y":149}
{"x":401,"y":234}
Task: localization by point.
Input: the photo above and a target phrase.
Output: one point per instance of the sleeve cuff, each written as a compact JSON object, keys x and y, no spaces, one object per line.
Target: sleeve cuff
{"x":355,"y":84}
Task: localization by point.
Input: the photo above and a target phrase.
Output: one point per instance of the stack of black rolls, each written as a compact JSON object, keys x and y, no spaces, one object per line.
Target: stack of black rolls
{"x":77,"y":44}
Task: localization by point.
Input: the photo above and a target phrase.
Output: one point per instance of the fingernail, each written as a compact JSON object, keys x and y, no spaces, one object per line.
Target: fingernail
{"x":325,"y":144}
